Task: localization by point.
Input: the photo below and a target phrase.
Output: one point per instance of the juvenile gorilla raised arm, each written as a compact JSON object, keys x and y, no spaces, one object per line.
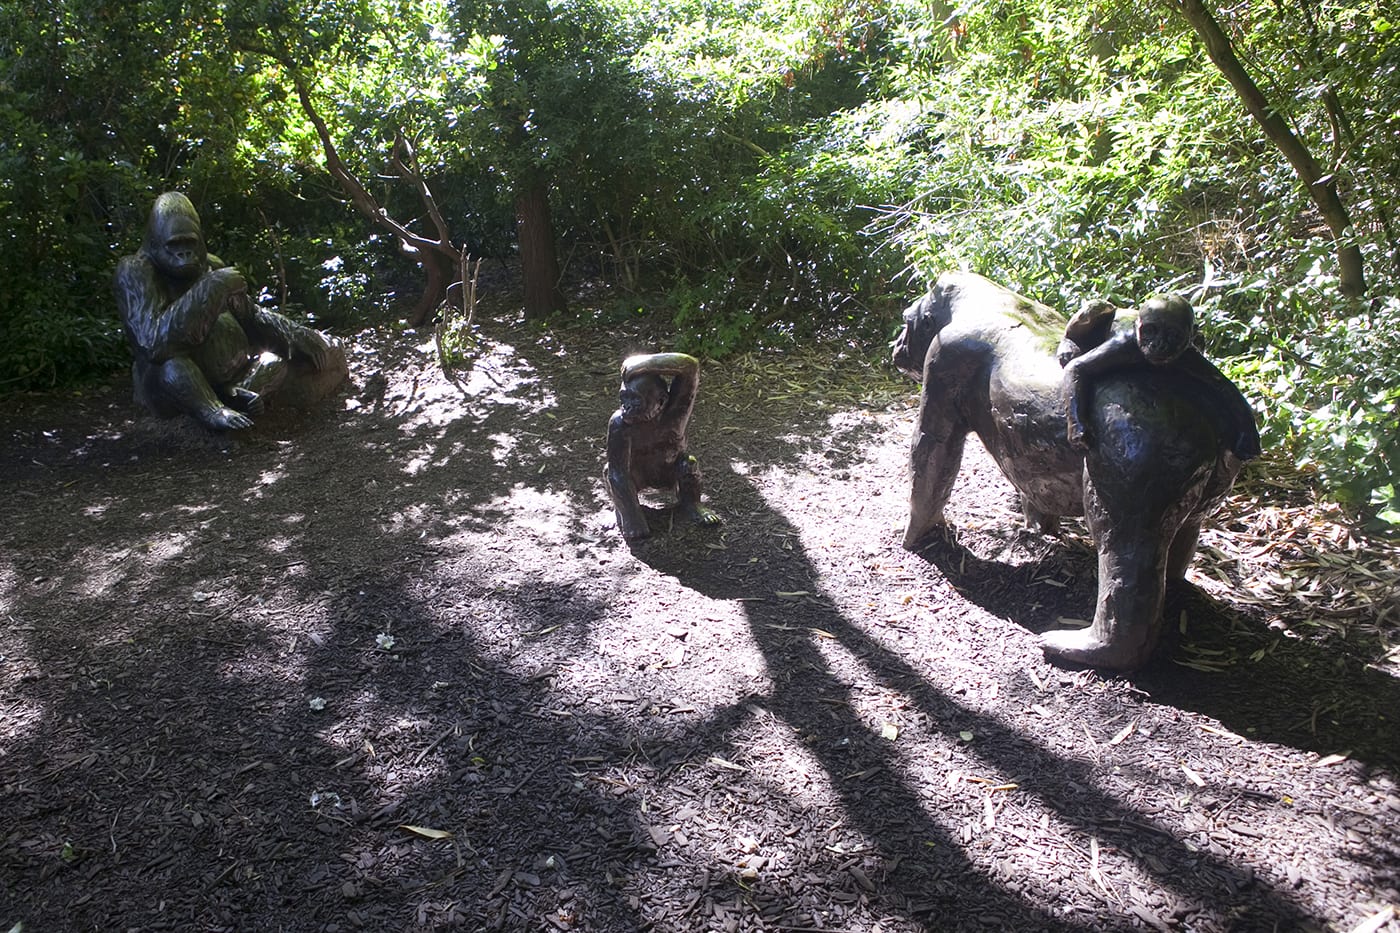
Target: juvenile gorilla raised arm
{"x":647,"y":443}
{"x":199,"y":342}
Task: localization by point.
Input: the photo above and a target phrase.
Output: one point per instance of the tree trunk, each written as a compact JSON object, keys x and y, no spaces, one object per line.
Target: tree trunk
{"x":438,"y":273}
{"x":538,"y":262}
{"x":1322,"y":189}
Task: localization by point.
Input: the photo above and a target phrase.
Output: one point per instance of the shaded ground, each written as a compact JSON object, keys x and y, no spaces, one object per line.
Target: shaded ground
{"x":786,"y":724}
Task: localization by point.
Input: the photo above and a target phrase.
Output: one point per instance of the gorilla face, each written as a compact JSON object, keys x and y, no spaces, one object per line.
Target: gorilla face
{"x":1165,"y":327}
{"x":643,"y":397}
{"x":921,"y":326}
{"x":174,"y":241}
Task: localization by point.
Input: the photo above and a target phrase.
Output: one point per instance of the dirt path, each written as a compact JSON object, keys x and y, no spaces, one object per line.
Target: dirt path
{"x":391,"y":668}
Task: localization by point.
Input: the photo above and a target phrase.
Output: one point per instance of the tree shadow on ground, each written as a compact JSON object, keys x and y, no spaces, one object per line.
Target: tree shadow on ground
{"x":436,"y":564}
{"x":1336,"y":702}
{"x":930,"y":872}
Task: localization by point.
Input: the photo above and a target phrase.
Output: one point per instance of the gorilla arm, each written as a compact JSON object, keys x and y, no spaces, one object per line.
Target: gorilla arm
{"x":269,"y":330}
{"x":686,"y":382}
{"x":159,"y":331}
{"x":1118,"y":351}
{"x":622,"y":488}
{"x":1088,"y":327}
{"x":1238,"y":412}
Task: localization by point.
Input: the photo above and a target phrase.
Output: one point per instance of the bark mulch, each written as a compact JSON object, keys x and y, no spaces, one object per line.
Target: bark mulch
{"x":390,"y":667}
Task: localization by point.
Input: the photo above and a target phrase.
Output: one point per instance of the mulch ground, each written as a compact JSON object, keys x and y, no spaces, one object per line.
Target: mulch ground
{"x":390,"y":667}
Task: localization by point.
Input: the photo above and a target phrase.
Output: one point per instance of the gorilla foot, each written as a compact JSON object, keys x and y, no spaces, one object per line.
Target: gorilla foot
{"x":1082,"y":646}
{"x":702,"y":516}
{"x":918,"y":534}
{"x":224,"y":419}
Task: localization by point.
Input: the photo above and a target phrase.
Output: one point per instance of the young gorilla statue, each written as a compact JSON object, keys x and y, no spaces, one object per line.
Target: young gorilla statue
{"x":1163,"y":335}
{"x":201,"y":346}
{"x":646,"y":440}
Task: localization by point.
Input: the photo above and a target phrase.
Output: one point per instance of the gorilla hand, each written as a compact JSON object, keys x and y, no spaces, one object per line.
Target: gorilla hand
{"x":229,"y":281}
{"x":313,"y":344}
{"x":247,"y":401}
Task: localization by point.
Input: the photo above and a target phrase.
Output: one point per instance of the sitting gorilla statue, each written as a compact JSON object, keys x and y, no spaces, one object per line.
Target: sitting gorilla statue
{"x":201,"y":346}
{"x":1163,"y":452}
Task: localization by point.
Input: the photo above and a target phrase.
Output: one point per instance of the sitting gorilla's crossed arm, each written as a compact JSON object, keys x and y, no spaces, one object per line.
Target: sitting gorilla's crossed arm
{"x":196,"y":336}
{"x":647,"y":443}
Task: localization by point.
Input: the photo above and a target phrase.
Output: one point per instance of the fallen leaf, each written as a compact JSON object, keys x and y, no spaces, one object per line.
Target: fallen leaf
{"x":1375,"y":921}
{"x":425,"y":832}
{"x":1123,"y":733}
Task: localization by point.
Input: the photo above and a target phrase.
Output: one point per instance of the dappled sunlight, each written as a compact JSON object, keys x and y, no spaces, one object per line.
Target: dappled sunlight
{"x":23,"y":718}
{"x":9,"y":587}
{"x":163,"y":548}
{"x":545,"y":516}
{"x":498,"y":378}
{"x":412,"y":519}
{"x":428,"y":621}
{"x":195,"y":509}
{"x":268,"y":477}
{"x":503,"y":445}
{"x":103,"y":569}
{"x":96,"y":570}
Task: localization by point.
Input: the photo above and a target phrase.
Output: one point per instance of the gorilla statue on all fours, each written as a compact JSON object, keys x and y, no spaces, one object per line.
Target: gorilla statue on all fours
{"x":1153,"y":444}
{"x":201,"y":346}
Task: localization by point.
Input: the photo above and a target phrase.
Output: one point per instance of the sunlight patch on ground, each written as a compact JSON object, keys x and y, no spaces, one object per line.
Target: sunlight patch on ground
{"x":268,"y":477}
{"x":166,"y":547}
{"x":546,"y":516}
{"x":199,"y":509}
{"x":376,"y":747}
{"x":22,"y":718}
{"x":277,"y":545}
{"x":9,"y":586}
{"x":505,"y":445}
{"x":410,"y":519}
{"x":779,"y":756}
{"x":102,"y":569}
{"x":496,"y":378}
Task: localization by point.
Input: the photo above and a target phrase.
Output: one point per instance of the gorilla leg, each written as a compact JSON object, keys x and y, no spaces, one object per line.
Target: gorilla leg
{"x":1142,"y":507}
{"x":1183,"y":549}
{"x":688,"y":487}
{"x":1128,"y":619}
{"x":178,"y":385}
{"x":933,"y":464}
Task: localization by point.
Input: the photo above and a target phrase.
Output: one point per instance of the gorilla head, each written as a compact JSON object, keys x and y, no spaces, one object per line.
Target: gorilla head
{"x":1165,"y":327}
{"x":643,"y":396}
{"x":174,"y":241}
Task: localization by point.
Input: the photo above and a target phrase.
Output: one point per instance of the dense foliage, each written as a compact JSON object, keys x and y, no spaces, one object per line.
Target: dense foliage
{"x":756,"y":171}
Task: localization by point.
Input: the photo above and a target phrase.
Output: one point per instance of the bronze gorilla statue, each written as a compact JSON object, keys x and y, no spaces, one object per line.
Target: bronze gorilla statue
{"x":1161,"y":460}
{"x":201,"y":346}
{"x":647,"y":442}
